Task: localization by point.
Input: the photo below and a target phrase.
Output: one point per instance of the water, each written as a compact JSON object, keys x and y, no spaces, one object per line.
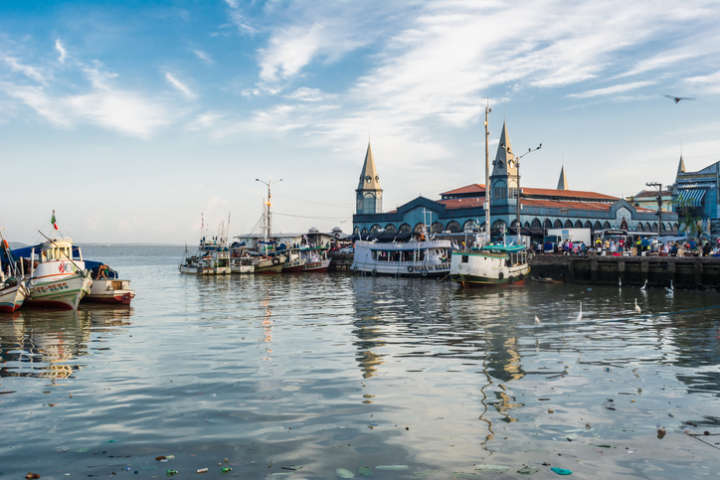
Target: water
{"x":298,"y":376}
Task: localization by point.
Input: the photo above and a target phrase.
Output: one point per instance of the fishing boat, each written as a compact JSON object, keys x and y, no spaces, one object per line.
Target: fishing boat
{"x":269,"y":263}
{"x":490,"y":265}
{"x":316,"y":259}
{"x":240,"y":260}
{"x":392,"y":255}
{"x":13,"y":290}
{"x":295,"y":262}
{"x":211,"y":258}
{"x":56,"y":280}
{"x":107,"y":287}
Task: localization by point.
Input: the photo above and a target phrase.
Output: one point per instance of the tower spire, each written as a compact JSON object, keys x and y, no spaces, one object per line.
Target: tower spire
{"x":369,"y":179}
{"x":681,"y":165}
{"x":562,"y":182}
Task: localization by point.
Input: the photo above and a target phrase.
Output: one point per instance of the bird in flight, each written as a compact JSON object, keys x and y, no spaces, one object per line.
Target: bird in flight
{"x":677,"y":99}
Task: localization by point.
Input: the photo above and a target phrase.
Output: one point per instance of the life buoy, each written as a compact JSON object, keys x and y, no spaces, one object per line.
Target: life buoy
{"x":276,"y":261}
{"x":410,"y":269}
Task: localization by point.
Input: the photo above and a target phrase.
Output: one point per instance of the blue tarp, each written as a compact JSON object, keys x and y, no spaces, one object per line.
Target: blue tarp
{"x":692,"y":197}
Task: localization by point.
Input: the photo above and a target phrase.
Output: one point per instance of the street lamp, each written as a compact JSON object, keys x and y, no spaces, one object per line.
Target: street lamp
{"x":267,"y":206}
{"x":517,"y":165}
{"x":659,"y":200}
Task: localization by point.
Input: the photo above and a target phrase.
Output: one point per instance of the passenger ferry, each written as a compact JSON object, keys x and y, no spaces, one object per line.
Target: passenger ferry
{"x":490,"y":265}
{"x":414,"y":258}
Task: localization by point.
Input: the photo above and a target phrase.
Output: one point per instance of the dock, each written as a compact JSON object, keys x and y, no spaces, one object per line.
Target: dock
{"x":685,"y":272}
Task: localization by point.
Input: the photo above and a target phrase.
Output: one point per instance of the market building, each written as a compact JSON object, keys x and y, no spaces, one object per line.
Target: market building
{"x":461,"y":209}
{"x":696,"y":194}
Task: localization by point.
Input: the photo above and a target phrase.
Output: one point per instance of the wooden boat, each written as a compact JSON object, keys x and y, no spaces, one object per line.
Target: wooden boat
{"x":490,"y":265}
{"x":316,"y":259}
{"x":413,"y":258}
{"x":13,"y":290}
{"x":295,"y":262}
{"x":269,"y":264}
{"x":212,"y":258}
{"x":56,"y":280}
{"x":240,"y":259}
{"x":107,"y":287}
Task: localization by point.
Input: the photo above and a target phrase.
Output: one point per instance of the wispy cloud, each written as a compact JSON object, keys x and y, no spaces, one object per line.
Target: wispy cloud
{"x":613,"y":89}
{"x":29,"y":71}
{"x":707,"y":83}
{"x":61,"y":50}
{"x":202,"y":55}
{"x":180,"y":86}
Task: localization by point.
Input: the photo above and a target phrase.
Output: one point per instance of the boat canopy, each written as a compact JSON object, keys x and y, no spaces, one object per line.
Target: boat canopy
{"x":25,"y":252}
{"x":503,"y":248}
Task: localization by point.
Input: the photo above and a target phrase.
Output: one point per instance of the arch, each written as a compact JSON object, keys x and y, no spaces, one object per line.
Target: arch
{"x":676,"y":226}
{"x":597,"y":226}
{"x":640,"y":227}
{"x":498,"y":225}
{"x":557,"y":224}
{"x":436,"y":227}
{"x":663,"y":227}
{"x":375,"y":228}
{"x":356,"y":230}
{"x":527,"y":226}
{"x":469,"y":225}
{"x":419,"y":227}
{"x":364,"y":233}
{"x":404,"y":228}
{"x":624,"y":225}
{"x":568,"y":224}
{"x":536,"y":226}
{"x":606,"y":224}
{"x":390,"y":228}
{"x":654,"y":227}
{"x":578,"y":224}
{"x":453,"y":226}
{"x":548,"y":223}
{"x":588,"y":224}
{"x":649,"y":227}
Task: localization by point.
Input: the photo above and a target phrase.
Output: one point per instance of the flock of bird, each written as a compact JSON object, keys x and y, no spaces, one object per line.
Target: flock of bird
{"x":669,"y":291}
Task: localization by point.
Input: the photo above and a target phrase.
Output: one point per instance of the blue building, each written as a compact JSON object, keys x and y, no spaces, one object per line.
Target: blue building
{"x":461,"y":209}
{"x":697,"y":193}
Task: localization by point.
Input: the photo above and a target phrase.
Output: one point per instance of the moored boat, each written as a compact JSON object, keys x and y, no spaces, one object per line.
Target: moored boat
{"x":107,"y":287}
{"x":212,"y":258}
{"x":490,"y":265}
{"x":56,"y":280}
{"x":13,"y":290}
{"x":295,"y":262}
{"x":316,"y":259}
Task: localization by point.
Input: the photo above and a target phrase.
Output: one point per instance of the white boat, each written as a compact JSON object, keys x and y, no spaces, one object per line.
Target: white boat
{"x":107,"y":287}
{"x":212,"y":258}
{"x":490,"y":265}
{"x":316,"y":259}
{"x":414,"y":258}
{"x":295,"y":262}
{"x":13,"y":290}
{"x":56,"y":280}
{"x":240,"y":259}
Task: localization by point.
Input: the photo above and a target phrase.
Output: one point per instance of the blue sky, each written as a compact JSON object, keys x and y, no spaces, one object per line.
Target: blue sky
{"x":129,"y":119}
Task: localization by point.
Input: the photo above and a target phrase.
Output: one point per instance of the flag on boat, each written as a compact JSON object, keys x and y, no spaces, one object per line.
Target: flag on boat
{"x":52,"y":220}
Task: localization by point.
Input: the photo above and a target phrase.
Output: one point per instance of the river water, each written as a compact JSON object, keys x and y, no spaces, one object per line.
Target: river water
{"x":329,"y":375}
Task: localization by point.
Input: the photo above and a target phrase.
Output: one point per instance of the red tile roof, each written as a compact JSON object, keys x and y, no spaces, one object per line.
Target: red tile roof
{"x":550,"y":192}
{"x":532,"y":202}
{"x":468,"y":202}
{"x":472,"y":188}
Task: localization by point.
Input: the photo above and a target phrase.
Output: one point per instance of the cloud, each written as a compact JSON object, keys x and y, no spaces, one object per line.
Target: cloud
{"x":204,"y":121}
{"x":306,"y":94}
{"x":203,"y":56}
{"x":61,"y":50}
{"x":27,"y":70}
{"x":707,"y":83}
{"x":181,"y":87}
{"x":623,"y":87}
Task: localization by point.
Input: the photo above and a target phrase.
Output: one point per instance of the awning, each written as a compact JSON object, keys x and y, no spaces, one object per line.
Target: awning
{"x":691,"y":197}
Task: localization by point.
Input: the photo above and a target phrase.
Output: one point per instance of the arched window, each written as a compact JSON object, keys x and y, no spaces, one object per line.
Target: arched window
{"x":654,"y":227}
{"x":663,"y":227}
{"x":597,"y":226}
{"x":419,"y":227}
{"x":469,"y":226}
{"x":404,"y":228}
{"x":453,"y":226}
{"x":436,"y":227}
{"x":548,"y":223}
{"x":606,"y":224}
{"x":390,"y":228}
{"x":356,"y":230}
{"x":364,"y":233}
{"x":568,"y":224}
{"x":536,"y":226}
{"x":374,"y":228}
{"x":578,"y":224}
{"x":588,"y":224}
{"x":640,"y":227}
{"x":498,"y":226}
{"x":557,"y":224}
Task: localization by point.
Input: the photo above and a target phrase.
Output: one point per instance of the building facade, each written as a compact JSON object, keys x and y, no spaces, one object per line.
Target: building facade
{"x":461,"y":209}
{"x":697,"y":193}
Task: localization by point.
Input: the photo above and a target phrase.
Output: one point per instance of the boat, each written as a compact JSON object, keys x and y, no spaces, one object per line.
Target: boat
{"x":13,"y":290}
{"x":240,"y":260}
{"x":269,"y":263}
{"x":415,"y":257}
{"x":490,"y":265}
{"x":295,"y":262}
{"x":316,"y":259}
{"x":56,"y":280}
{"x":211,"y":258}
{"x":107,"y":287}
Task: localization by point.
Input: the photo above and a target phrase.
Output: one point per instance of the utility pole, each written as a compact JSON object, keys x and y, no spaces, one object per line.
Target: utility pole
{"x":517,"y":164}
{"x":268,"y":204}
{"x":659,"y":201}
{"x":487,"y":175}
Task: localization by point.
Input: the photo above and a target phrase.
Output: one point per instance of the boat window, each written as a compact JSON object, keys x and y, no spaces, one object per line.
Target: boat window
{"x":395,"y":257}
{"x":407,"y":255}
{"x":465,"y":258}
{"x":420,"y":255}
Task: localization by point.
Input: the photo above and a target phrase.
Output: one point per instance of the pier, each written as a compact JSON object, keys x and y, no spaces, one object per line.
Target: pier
{"x":685,"y":272}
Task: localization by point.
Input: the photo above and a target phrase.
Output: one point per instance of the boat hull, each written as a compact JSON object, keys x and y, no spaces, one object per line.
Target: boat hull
{"x":111,"y":291}
{"x":268,"y":269}
{"x":421,"y":271}
{"x":321,"y":266}
{"x":64,"y":292}
{"x":486,"y":269}
{"x":12,"y":298}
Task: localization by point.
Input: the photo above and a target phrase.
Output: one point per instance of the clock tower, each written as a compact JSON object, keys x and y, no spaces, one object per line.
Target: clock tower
{"x":369,"y":192}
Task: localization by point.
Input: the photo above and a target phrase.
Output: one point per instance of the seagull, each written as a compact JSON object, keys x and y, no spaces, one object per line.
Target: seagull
{"x":677,"y":99}
{"x":670,"y":290}
{"x":643,"y":289}
{"x":579,"y":315}
{"x":637,"y":307}
{"x":537,"y":320}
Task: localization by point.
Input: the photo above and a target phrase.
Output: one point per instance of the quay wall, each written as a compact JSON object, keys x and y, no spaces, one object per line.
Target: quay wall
{"x":340,"y":262}
{"x":685,"y":272}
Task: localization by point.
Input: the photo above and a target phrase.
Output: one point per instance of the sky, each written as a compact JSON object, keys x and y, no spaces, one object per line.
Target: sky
{"x":131,"y":119}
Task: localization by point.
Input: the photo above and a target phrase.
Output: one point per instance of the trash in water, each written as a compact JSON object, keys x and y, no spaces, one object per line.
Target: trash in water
{"x":344,"y":473}
{"x":491,"y":468}
{"x":661,"y":433}
{"x":202,"y":470}
{"x":561,"y":471}
{"x":394,"y":468}
{"x":527,"y":470}
{"x":365,"y":471}
{"x":292,"y":467}
{"x":171,"y":471}
{"x":32,"y":475}
{"x":226,"y":469}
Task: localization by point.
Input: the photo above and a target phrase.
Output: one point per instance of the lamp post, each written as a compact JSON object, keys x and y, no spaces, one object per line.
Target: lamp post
{"x":659,"y":200}
{"x":267,"y":206}
{"x":517,"y":164}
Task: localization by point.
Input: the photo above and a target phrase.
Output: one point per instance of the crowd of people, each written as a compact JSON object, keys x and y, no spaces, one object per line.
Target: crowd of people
{"x":619,"y":246}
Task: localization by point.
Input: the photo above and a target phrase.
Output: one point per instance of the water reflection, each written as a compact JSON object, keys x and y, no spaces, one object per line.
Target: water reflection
{"x":43,"y":344}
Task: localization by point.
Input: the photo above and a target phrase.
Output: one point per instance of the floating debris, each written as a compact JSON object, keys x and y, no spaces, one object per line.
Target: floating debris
{"x":31,"y":475}
{"x":226,"y":469}
{"x":202,"y":470}
{"x":492,"y":468}
{"x":661,"y":433}
{"x":171,"y":472}
{"x":344,"y":473}
{"x":393,"y":468}
{"x":561,"y":471}
{"x":527,"y":470}
{"x":365,"y":471}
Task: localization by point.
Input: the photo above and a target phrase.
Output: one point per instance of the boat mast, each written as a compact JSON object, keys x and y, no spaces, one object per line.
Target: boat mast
{"x":487,"y":175}
{"x":268,"y":215}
